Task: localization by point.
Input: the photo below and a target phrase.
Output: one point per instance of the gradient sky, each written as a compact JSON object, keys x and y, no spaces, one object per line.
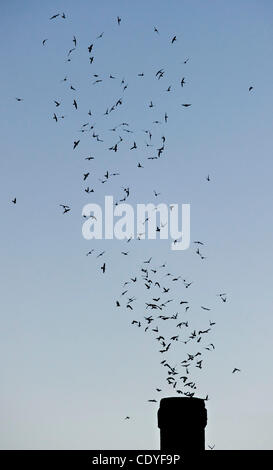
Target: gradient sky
{"x":72,"y":366}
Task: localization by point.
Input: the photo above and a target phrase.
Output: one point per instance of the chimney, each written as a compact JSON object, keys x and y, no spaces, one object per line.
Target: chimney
{"x":182,"y":422}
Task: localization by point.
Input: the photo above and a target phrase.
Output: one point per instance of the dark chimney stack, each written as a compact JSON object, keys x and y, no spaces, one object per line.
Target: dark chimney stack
{"x":182,"y":423}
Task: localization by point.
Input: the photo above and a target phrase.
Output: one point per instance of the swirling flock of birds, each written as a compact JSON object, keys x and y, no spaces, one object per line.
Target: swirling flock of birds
{"x":166,"y":313}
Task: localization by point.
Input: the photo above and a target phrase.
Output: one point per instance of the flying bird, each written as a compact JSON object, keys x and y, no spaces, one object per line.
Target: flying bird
{"x":65,"y":208}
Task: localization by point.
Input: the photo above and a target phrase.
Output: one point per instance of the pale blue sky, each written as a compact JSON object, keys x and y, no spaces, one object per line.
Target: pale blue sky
{"x":72,"y":366}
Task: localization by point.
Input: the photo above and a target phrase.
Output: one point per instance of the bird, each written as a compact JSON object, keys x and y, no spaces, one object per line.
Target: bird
{"x":88,"y":190}
{"x":54,"y":16}
{"x":182,"y":83}
{"x":250,"y":88}
{"x":44,"y":41}
{"x":127,"y":417}
{"x":118,"y":20}
{"x":14,"y":200}
{"x":57,"y":103}
{"x":76,"y":142}
{"x":236,"y":370}
{"x":173,"y":39}
{"x":75,"y":104}
{"x":103,"y":268}
{"x":208,"y":178}
{"x":156,"y":30}
{"x":186,"y":105}
{"x":19,"y":99}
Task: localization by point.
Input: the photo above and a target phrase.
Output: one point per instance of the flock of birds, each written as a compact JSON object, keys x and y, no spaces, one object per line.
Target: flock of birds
{"x":166,"y":314}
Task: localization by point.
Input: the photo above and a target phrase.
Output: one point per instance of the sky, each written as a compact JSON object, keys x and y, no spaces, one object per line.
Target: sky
{"x":72,"y":364}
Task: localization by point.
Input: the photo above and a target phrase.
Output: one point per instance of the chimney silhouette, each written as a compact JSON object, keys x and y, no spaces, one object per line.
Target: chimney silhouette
{"x":182,"y":422}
